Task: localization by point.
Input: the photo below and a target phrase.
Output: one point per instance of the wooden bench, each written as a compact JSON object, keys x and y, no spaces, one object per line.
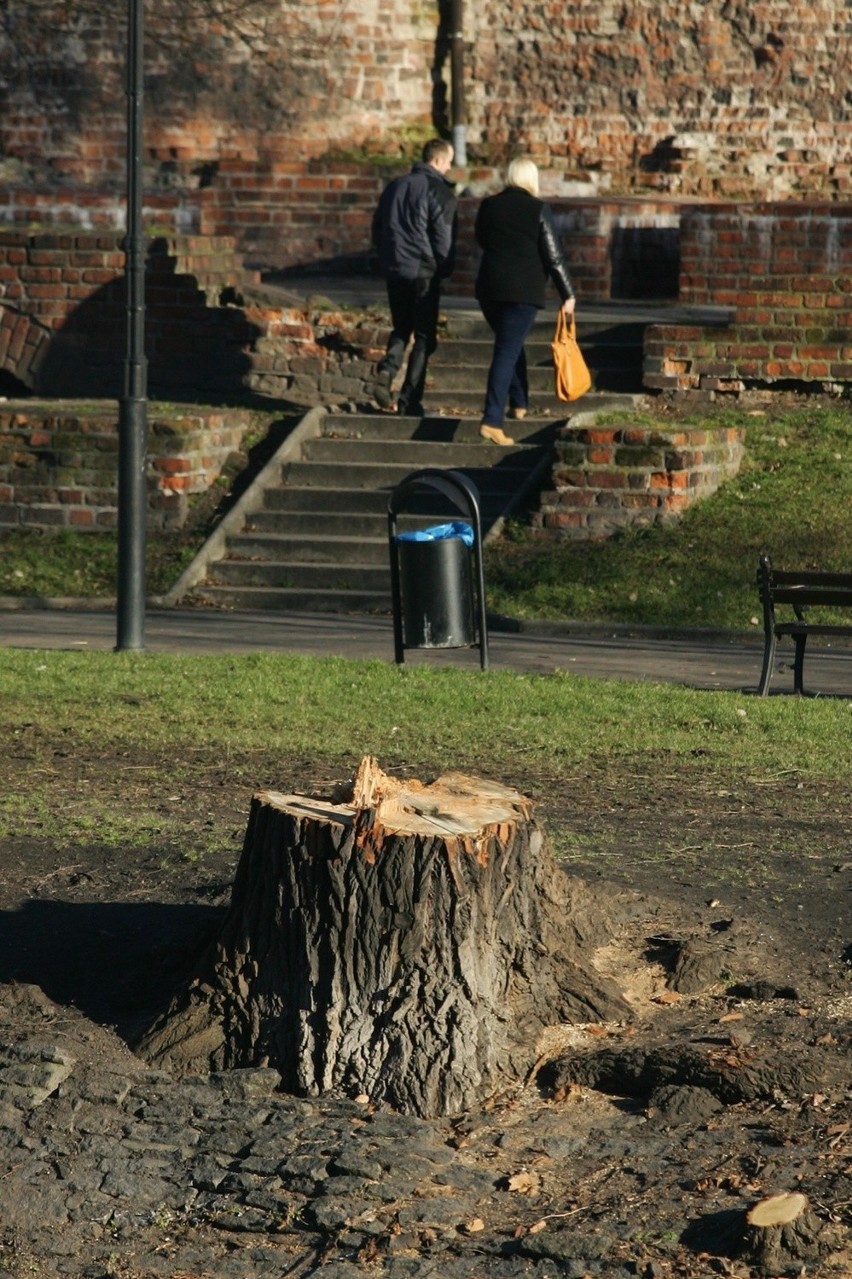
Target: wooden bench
{"x":799,"y":589}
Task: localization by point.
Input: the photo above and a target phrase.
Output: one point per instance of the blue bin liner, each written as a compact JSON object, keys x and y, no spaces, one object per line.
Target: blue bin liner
{"x":440,"y":533}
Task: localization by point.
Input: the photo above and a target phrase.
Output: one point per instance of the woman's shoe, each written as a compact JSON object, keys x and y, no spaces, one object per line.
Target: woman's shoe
{"x":496,"y":435}
{"x":517,"y":412}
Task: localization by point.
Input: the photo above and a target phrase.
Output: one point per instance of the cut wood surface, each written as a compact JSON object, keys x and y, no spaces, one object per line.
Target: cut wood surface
{"x":777,"y":1210}
{"x":781,"y":1234}
{"x":402,"y":940}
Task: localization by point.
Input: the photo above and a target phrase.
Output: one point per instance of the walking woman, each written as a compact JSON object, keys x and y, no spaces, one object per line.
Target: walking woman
{"x":520,"y":251}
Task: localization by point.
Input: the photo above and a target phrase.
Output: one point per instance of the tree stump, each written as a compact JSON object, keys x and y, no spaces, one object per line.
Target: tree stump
{"x":780,"y":1232}
{"x":402,"y":941}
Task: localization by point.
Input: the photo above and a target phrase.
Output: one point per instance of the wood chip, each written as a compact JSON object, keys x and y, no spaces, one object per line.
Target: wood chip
{"x":524,"y":1183}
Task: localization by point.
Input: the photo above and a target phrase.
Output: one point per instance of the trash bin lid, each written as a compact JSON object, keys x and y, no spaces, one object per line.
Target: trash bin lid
{"x":440,"y":533}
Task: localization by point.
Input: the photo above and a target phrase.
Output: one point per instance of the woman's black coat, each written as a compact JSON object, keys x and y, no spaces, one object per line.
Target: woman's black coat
{"x":520,"y":250}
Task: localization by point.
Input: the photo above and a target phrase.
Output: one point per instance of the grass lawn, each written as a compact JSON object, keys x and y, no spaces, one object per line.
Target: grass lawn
{"x":172,"y":721}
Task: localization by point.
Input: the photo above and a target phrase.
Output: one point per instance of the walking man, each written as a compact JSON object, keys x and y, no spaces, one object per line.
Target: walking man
{"x":414,"y":230}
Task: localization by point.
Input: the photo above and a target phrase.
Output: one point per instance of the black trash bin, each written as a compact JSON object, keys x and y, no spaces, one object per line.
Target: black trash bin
{"x":436,"y":586}
{"x":437,"y":579}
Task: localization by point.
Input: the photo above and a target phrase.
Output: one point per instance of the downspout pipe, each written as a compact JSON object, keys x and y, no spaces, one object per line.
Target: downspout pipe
{"x":133,"y":404}
{"x":459,"y":124}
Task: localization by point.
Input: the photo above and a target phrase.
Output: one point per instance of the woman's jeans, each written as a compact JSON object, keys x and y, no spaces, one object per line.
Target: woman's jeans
{"x":507,"y":378}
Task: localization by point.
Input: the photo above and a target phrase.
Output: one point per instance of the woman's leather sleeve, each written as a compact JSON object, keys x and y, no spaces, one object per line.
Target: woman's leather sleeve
{"x":552,"y":255}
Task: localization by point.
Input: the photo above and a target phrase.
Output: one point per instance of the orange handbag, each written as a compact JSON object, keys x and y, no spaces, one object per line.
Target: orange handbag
{"x":573,"y":378}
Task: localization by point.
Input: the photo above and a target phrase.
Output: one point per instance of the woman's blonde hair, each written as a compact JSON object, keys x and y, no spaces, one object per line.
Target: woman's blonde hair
{"x":523,"y":172}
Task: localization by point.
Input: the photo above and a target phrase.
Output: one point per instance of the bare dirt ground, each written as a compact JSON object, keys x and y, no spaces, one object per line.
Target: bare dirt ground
{"x":635,"y":1149}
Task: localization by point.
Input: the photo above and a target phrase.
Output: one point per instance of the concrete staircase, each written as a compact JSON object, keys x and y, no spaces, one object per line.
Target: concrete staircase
{"x":318,"y":538}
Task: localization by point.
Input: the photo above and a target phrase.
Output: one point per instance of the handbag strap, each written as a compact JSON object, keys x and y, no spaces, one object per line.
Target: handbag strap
{"x":565,"y":332}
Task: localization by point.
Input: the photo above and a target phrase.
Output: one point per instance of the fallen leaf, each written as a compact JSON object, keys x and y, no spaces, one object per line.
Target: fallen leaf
{"x":524,"y":1183}
{"x":473,"y":1227}
{"x":667,"y":997}
{"x":567,"y":1092}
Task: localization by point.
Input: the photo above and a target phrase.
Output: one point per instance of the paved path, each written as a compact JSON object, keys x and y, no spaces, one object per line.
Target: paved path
{"x":693,"y":659}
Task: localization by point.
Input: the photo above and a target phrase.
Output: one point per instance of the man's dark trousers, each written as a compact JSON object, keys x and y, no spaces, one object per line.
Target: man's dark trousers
{"x":414,"y":308}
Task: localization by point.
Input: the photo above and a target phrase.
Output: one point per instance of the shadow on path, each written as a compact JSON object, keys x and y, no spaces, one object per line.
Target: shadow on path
{"x":117,"y":963}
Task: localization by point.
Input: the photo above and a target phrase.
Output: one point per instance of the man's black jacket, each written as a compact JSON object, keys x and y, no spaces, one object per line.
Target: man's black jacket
{"x":414,"y":226}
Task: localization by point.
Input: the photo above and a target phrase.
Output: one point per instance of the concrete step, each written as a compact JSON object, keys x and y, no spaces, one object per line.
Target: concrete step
{"x":329,"y":523}
{"x":329,"y":520}
{"x":477,"y":354}
{"x":443,"y":428}
{"x":312,"y":544}
{"x":608,"y":387}
{"x":418,"y":453}
{"x":464,"y":325}
{"x":452,"y":378}
{"x":302,"y":502}
{"x":503,"y":477}
{"x":333,"y":519}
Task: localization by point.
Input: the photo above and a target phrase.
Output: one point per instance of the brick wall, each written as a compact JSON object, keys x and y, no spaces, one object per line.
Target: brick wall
{"x":209,"y":330}
{"x":263,"y":83}
{"x":58,"y":463}
{"x":726,"y":98}
{"x":786,"y":273}
{"x":315,"y":356}
{"x":264,"y":126}
{"x":610,"y":477}
{"x":63,"y":313}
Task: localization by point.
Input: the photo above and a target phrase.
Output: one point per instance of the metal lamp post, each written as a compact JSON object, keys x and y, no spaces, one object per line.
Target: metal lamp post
{"x":132,"y":417}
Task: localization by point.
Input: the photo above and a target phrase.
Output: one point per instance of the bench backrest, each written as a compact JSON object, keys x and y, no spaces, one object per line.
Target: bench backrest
{"x":800,"y":587}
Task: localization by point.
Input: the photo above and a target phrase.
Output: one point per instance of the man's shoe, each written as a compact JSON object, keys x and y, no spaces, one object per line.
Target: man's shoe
{"x":382,"y":393}
{"x":496,"y":435}
{"x":410,"y":410}
{"x":518,"y":412}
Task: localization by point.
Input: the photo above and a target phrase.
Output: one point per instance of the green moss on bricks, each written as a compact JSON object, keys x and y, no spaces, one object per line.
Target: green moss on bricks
{"x":636,"y":456}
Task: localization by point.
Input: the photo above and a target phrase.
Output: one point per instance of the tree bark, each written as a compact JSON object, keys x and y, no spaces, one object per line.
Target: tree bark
{"x":404,"y":941}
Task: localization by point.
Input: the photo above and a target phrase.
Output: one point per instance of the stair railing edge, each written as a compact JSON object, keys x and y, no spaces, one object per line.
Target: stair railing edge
{"x":252,"y":500}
